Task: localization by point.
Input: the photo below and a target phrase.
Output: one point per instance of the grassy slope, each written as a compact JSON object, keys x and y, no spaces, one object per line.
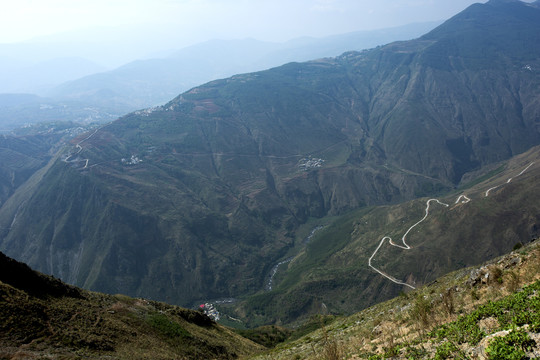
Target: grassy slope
{"x":455,"y":316}
{"x":40,"y":317}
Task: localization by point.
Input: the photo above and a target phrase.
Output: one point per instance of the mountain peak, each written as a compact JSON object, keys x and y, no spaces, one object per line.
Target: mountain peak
{"x":496,"y":21}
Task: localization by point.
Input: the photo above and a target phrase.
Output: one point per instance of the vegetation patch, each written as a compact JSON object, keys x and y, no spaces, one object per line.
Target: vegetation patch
{"x":167,"y":327}
{"x":267,"y":336}
{"x":511,"y":346}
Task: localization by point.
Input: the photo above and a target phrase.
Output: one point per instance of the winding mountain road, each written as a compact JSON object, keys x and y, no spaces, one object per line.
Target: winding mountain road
{"x":405,"y":246}
{"x":463,"y":199}
{"x":80,"y":148}
{"x":509,"y":180}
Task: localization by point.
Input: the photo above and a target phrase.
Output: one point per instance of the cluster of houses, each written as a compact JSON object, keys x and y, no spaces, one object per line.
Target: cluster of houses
{"x":210,"y":311}
{"x":133,"y":161}
{"x":146,"y":112}
{"x":310,"y":163}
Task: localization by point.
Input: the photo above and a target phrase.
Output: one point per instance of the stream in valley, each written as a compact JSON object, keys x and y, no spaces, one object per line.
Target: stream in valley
{"x":274,"y":270}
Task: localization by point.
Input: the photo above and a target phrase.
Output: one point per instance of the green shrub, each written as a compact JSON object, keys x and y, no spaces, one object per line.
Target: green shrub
{"x":515,"y":310}
{"x":412,"y":352}
{"x":167,"y":327}
{"x":445,"y":350}
{"x":511,"y":346}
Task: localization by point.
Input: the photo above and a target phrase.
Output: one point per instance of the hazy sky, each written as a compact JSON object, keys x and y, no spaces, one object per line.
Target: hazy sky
{"x":197,"y":20}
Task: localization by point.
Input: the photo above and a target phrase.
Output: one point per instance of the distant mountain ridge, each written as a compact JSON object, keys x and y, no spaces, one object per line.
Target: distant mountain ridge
{"x":103,"y":96}
{"x":151,"y":82}
{"x":200,"y":198}
{"x":41,"y":76}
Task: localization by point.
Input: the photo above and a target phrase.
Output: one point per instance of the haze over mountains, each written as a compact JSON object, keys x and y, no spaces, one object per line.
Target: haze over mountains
{"x":155,"y":81}
{"x":201,"y":197}
{"x":50,"y":55}
{"x":71,"y":87}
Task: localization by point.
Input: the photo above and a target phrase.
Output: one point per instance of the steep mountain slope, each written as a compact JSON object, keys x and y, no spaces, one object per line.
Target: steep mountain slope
{"x":486,"y":312}
{"x":376,"y":253}
{"x":21,"y":156}
{"x":41,"y":317}
{"x":201,"y":197}
{"x":27,"y":150}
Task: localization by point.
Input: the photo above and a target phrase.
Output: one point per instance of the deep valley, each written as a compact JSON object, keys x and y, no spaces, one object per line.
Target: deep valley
{"x":315,"y":188}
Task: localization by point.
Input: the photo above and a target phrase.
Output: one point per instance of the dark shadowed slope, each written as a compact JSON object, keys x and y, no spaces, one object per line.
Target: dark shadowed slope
{"x":41,"y":317}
